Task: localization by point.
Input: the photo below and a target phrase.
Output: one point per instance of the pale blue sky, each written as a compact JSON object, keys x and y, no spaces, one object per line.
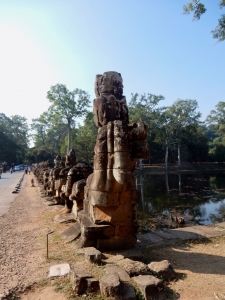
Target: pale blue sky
{"x":151,"y":43}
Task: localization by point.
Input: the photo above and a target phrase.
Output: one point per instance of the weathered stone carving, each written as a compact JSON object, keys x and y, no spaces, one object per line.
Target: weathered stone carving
{"x":109,"y":218}
{"x":65,"y":184}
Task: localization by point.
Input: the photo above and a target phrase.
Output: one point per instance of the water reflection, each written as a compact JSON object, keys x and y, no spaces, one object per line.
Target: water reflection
{"x":197,"y":197}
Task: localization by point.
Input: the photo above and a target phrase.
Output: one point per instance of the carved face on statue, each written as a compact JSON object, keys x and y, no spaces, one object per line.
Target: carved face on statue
{"x":106,"y":84}
{"x":109,"y":83}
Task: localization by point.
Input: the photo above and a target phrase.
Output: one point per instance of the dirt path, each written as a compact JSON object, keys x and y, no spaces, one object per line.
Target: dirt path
{"x":24,"y":267}
{"x":20,"y":249}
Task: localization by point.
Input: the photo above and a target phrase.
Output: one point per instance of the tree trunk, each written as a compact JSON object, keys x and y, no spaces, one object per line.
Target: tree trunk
{"x":178,"y":154}
{"x":166,"y":157}
{"x":179,"y":176}
{"x":142,"y":192}
{"x":68,"y":145}
{"x":140,"y":164}
{"x":167,"y":184}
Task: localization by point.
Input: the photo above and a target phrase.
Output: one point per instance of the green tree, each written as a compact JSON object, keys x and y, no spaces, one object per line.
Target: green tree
{"x":181,"y":115}
{"x":39,"y":154}
{"x":8,"y":149}
{"x":83,"y":139}
{"x":40,"y":128}
{"x":216,"y":128}
{"x":20,"y":130}
{"x":216,"y":118}
{"x":145,"y":108}
{"x":198,"y":9}
{"x":15,"y":132}
{"x":67,"y":106}
{"x":195,"y":141}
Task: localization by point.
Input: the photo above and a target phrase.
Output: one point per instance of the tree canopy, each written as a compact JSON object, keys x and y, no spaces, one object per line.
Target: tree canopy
{"x":67,"y":106}
{"x":198,"y":9}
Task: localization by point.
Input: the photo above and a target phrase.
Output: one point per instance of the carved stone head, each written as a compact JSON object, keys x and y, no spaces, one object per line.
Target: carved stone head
{"x":109,"y":83}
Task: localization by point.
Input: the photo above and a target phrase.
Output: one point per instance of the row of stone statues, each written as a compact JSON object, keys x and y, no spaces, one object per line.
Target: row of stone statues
{"x":65,"y":181}
{"x":104,"y":199}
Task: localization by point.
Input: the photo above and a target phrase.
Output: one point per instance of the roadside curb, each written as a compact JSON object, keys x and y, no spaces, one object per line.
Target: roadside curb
{"x":18,"y":186}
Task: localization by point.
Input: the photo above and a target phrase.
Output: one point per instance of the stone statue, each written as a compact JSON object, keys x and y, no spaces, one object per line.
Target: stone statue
{"x":71,"y":159}
{"x":110,"y":200}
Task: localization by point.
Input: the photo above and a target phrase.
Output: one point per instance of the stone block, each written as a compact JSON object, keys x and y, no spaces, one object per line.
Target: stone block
{"x":92,"y":255}
{"x":126,"y":213}
{"x":149,"y":285}
{"x":114,"y":214}
{"x":163,"y":269}
{"x":78,"y":280}
{"x":102,"y":214}
{"x":110,"y":286}
{"x":64,"y":218}
{"x":116,"y":243}
{"x":84,"y":242}
{"x":59,"y":270}
{"x":134,"y":268}
{"x":92,"y":286}
{"x":123,"y":275}
{"x":71,"y":233}
{"x":104,"y":198}
{"x":129,"y":196}
{"x":93,"y":231}
{"x":114,"y":259}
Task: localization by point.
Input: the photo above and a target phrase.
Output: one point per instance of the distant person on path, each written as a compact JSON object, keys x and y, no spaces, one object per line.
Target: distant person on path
{"x":29,"y":170}
{"x":26,"y":170}
{"x":11,"y":170}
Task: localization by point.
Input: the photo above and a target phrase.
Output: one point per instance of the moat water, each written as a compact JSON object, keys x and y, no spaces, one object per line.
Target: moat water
{"x":198,"y":197}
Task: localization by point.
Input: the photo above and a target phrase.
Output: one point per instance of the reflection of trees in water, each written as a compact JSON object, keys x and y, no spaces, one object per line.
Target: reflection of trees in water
{"x":222,"y":209}
{"x":179,"y":193}
{"x":199,"y":214}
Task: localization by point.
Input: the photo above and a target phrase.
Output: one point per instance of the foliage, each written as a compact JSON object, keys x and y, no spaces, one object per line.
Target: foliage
{"x":145,"y":108}
{"x":198,"y":9}
{"x":85,"y":140}
{"x":39,"y":154}
{"x":14,"y":138}
{"x":8,"y":149}
{"x":67,"y":106}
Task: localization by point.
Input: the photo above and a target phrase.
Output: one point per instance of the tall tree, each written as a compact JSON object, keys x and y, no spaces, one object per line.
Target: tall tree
{"x":20,"y":130}
{"x":67,"y":105}
{"x":216,"y":118}
{"x":145,"y":108}
{"x":216,"y":127}
{"x":40,"y":128}
{"x":181,"y":115}
{"x":198,"y":9}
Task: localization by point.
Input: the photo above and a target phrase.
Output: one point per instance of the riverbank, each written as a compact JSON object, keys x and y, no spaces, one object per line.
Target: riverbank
{"x":24,"y":266}
{"x":184,"y":168}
